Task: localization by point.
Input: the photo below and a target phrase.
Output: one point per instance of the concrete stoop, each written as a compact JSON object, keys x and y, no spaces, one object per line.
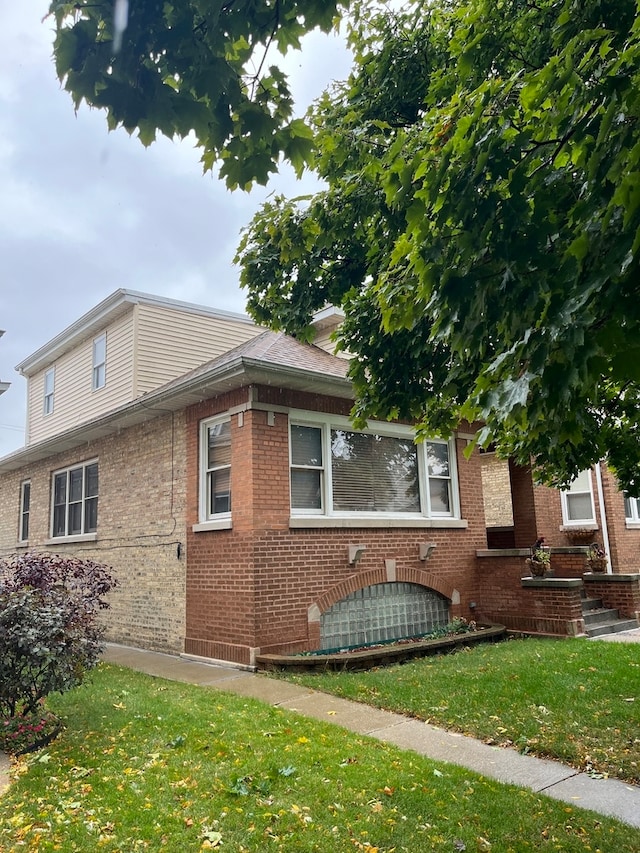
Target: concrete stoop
{"x":600,"y":620}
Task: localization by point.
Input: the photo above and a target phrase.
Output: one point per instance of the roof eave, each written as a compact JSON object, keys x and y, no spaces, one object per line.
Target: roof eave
{"x":116,"y":304}
{"x":238,"y":373}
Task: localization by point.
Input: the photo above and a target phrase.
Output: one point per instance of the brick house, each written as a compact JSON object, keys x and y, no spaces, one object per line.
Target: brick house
{"x":213,"y":465}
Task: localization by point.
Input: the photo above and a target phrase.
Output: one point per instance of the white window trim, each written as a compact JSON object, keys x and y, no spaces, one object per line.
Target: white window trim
{"x":49,"y":395}
{"x":329,"y":517}
{"x":633,"y":520}
{"x":580,"y":522}
{"x":22,"y":540}
{"x":218,"y":520}
{"x":71,"y":537}
{"x":97,"y":373}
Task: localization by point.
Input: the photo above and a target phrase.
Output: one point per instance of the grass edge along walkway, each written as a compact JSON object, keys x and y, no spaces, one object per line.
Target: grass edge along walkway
{"x":607,"y":796}
{"x":222,"y":782}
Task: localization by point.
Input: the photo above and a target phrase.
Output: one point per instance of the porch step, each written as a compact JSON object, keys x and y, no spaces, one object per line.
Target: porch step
{"x":591,"y":604}
{"x":603,"y":620}
{"x":611,"y":627}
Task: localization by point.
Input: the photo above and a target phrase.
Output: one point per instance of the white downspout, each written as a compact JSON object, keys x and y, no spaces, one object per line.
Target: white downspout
{"x":603,"y":516}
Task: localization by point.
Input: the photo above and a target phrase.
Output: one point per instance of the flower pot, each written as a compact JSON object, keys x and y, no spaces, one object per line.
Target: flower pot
{"x":580,"y":536}
{"x":538,"y":568}
{"x":597,"y":564}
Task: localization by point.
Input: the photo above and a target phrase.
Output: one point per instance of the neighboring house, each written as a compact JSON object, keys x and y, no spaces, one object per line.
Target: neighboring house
{"x":592,"y":509}
{"x":214,"y":467}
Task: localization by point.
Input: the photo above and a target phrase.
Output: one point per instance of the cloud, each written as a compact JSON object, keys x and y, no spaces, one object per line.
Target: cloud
{"x":84,"y":211}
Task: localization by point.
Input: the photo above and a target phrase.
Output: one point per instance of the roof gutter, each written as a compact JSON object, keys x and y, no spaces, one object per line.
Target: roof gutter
{"x":178,"y":395}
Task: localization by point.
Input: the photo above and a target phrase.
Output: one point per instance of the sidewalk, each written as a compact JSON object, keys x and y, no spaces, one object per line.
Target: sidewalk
{"x":607,"y":796}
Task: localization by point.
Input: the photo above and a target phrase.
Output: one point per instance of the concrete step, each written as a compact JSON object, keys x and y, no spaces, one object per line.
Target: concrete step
{"x":612,"y":627}
{"x":591,"y":604}
{"x":600,"y":616}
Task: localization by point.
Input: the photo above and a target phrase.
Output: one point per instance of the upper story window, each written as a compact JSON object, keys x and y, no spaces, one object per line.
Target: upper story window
{"x":49,"y":382}
{"x":25,"y":505}
{"x":75,"y":500}
{"x":215,"y":480}
{"x":577,"y":501}
{"x":99,"y":362}
{"x":335,"y":470}
{"x":632,"y":509}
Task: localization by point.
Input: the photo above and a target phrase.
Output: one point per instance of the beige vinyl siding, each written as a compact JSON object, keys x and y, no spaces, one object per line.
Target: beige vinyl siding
{"x":323,"y":341}
{"x":171,"y":342}
{"x":74,"y":400}
{"x":147,"y":346}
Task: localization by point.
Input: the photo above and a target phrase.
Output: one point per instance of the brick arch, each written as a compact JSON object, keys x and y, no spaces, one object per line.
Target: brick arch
{"x":355,"y":582}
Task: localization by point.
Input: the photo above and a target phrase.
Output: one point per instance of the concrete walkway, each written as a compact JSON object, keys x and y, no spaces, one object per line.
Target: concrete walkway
{"x":606,"y":796}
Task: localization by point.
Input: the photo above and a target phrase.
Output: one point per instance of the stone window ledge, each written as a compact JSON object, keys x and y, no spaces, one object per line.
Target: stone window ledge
{"x":302,"y":521}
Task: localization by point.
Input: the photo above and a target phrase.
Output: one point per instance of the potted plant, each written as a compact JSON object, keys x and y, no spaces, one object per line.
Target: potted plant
{"x":580,"y":535}
{"x":539,"y":563}
{"x":596,"y":558}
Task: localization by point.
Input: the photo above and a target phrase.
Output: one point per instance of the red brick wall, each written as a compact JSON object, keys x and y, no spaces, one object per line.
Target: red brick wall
{"x":619,"y":592}
{"x":537,"y":607}
{"x":252,"y":587}
{"x":524,"y":509}
{"x":624,"y":542}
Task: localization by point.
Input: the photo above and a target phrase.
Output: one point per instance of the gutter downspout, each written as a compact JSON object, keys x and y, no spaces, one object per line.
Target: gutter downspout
{"x":603,"y":517}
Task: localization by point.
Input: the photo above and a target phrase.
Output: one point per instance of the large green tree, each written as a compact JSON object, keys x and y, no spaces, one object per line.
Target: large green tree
{"x":205,"y":67}
{"x":480,"y":226}
{"x":481,"y":220}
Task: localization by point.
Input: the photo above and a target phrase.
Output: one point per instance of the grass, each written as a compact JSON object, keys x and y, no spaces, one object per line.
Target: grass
{"x":573,"y":700}
{"x":146,"y":764}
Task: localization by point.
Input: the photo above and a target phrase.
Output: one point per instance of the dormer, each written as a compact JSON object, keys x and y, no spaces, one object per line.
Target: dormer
{"x":326,"y":322}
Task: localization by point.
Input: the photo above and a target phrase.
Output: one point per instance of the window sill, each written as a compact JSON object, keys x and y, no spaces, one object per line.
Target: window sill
{"x":214,"y":524}
{"x":301,"y":521}
{"x":632,"y":525}
{"x":64,"y":540}
{"x":567,"y":527}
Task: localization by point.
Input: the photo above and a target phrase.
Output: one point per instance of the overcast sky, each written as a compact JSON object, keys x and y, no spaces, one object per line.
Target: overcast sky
{"x":84,"y":211}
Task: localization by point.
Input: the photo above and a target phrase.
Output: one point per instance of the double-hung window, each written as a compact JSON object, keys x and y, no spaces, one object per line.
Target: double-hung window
{"x":632,"y":509}
{"x":49,"y":383}
{"x":25,"y":508}
{"x":215,"y":494}
{"x":75,"y":501}
{"x":577,"y":501}
{"x":381,"y":472}
{"x":99,"y":376}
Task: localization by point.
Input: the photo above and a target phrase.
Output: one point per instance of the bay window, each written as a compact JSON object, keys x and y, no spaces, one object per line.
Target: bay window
{"x":215,"y":493}
{"x":338,"y":471}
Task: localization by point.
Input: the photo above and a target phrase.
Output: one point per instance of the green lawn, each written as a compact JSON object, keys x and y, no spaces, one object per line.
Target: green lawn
{"x":146,"y":764}
{"x":574,"y":700}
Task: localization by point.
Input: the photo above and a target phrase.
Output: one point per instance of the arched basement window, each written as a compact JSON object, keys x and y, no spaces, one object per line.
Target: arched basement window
{"x":380,"y":613}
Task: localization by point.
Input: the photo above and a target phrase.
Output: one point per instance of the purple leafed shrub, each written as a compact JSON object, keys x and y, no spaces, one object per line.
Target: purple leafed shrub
{"x":49,"y":631}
